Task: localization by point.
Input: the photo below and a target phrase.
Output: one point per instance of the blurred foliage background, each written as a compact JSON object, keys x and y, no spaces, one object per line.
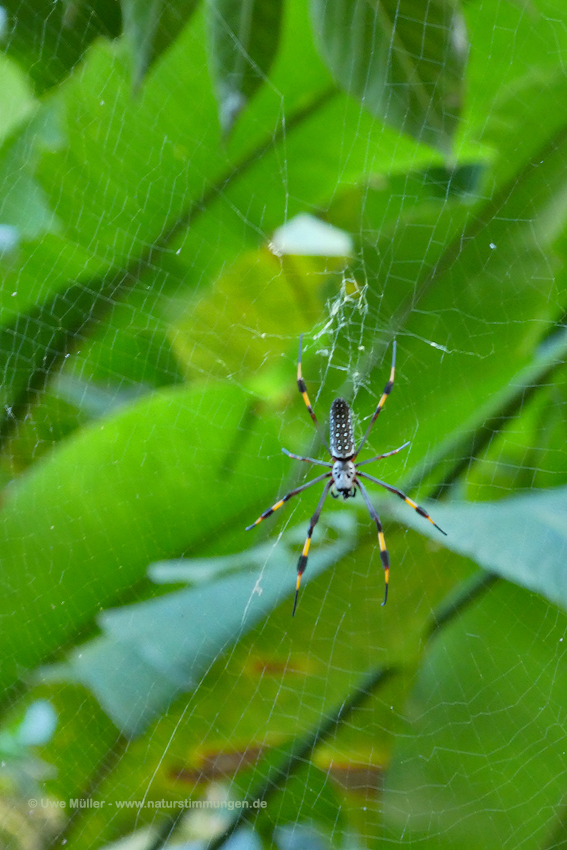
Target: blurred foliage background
{"x":186,"y":188}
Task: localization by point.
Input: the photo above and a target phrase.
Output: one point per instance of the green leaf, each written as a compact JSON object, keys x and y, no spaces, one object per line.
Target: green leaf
{"x":16,"y":100}
{"x":522,"y":539}
{"x":49,"y":39}
{"x":403,"y":60}
{"x":169,"y":643}
{"x":45,"y":334}
{"x":244,"y":39}
{"x":81,"y":527}
{"x":482,"y":756}
{"x":150,"y":27}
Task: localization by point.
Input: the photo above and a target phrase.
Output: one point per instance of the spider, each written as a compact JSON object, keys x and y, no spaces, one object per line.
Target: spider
{"x":344,"y":477}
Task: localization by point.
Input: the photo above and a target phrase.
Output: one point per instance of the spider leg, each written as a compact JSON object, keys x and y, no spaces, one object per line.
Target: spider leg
{"x":379,"y":457}
{"x":303,"y":390}
{"x":308,"y":459}
{"x":385,"y":394}
{"x":302,"y":563}
{"x":421,"y":511}
{"x":297,"y":490}
{"x":381,"y":540}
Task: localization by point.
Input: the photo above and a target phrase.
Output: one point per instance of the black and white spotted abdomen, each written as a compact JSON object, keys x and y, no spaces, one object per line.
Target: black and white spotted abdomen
{"x":341,"y":431}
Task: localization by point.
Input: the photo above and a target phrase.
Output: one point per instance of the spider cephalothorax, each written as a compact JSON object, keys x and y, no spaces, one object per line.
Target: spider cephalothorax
{"x":344,"y":476}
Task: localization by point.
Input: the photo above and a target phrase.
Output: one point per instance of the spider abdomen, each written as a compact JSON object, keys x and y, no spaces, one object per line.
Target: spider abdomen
{"x":341,"y":430}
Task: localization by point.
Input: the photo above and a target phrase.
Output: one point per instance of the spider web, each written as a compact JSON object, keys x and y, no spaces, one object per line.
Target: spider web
{"x":158,"y":273}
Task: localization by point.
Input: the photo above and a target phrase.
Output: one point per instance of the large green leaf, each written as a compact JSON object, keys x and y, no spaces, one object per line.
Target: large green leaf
{"x":404,"y":61}
{"x":80,"y":528}
{"x":522,"y":539}
{"x":151,"y":26}
{"x":244,"y":40}
{"x":482,"y":756}
{"x":16,"y":102}
{"x":49,"y":40}
{"x":172,"y":641}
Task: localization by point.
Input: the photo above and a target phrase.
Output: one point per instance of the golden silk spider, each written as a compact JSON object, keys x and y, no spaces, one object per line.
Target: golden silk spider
{"x":344,"y":476}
